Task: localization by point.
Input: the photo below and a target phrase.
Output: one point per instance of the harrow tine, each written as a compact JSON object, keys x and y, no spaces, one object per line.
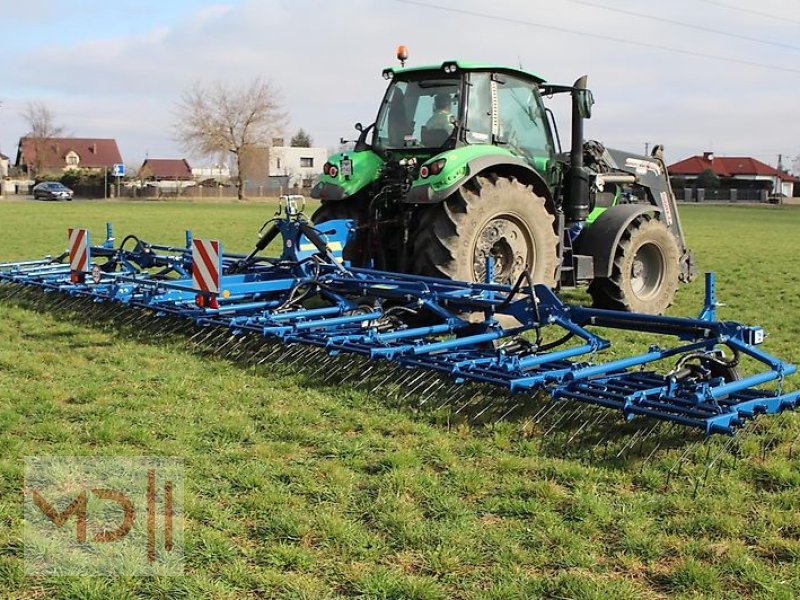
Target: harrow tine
{"x":229,"y":339}
{"x":586,"y":424}
{"x":391,"y":374}
{"x":342,"y":364}
{"x":508,"y":412}
{"x":664,"y":436}
{"x":270,"y":354}
{"x":324,"y":364}
{"x":544,"y":410}
{"x":450,"y":396}
{"x":637,"y":436}
{"x":433,"y":390}
{"x":197,"y":338}
{"x":12,"y":290}
{"x":421,"y":382}
{"x":369,"y":368}
{"x":718,"y":458}
{"x":405,"y":376}
{"x":654,"y":431}
{"x":237,"y":350}
{"x":677,"y":468}
{"x":557,"y":412}
{"x":604,"y":439}
{"x":288,"y":354}
{"x":565,"y":414}
{"x":441,"y":385}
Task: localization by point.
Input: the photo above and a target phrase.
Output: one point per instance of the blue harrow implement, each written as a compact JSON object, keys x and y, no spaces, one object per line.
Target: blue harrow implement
{"x":519,"y":339}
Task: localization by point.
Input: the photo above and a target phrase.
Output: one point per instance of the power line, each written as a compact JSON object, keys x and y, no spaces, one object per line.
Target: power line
{"x":752,"y":12}
{"x":688,"y":25}
{"x":598,"y":36}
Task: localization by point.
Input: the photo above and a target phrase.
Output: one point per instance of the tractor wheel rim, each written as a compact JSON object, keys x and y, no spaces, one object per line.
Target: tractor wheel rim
{"x":510,"y":244}
{"x":647,"y":271}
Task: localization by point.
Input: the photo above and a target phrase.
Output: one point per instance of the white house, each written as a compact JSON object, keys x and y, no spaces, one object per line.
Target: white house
{"x":218,"y":172}
{"x":4,"y":160}
{"x":297,"y":166}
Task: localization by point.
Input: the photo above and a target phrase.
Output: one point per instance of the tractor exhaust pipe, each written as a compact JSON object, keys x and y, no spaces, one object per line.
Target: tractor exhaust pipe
{"x":577,"y":207}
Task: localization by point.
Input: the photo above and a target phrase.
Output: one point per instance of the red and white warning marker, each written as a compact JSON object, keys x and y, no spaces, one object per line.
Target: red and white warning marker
{"x":206,"y":265}
{"x":79,"y":255}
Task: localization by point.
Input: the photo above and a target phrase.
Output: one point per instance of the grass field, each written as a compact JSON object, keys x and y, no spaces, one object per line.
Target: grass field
{"x":297,"y":489}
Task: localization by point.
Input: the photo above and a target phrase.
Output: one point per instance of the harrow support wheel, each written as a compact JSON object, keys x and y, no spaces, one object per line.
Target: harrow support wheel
{"x":501,"y":218}
{"x":644,"y":276}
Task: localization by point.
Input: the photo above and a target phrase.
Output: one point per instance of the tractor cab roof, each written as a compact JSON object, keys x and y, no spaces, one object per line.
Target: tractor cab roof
{"x":453,"y":66}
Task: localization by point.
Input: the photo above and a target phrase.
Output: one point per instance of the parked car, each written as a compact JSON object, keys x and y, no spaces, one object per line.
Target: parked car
{"x":51,"y":190}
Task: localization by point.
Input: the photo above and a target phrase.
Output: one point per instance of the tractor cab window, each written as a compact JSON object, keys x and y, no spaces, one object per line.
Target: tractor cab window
{"x":418,"y":114}
{"x":522,"y":120}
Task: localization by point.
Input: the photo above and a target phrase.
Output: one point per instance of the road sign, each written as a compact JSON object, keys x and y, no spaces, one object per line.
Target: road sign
{"x":118,"y":170}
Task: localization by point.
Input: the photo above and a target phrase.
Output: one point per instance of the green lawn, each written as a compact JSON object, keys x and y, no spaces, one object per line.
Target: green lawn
{"x":300,"y":489}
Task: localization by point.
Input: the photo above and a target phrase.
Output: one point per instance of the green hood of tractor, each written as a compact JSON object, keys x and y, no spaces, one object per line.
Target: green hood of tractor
{"x":459,"y":165}
{"x":365,"y":167}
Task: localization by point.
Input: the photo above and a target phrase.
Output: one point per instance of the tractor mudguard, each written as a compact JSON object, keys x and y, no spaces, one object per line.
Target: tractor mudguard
{"x":465,"y":163}
{"x":353,"y":172}
{"x":600,"y":239}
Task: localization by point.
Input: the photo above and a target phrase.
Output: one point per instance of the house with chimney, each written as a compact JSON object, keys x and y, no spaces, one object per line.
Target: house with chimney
{"x":734,"y":177}
{"x":55,"y":156}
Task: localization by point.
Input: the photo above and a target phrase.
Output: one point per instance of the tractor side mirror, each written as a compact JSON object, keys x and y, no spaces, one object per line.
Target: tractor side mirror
{"x":359,"y":127}
{"x":585,"y":103}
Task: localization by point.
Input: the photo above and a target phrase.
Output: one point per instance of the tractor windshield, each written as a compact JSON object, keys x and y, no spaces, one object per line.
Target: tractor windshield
{"x":420,"y":113}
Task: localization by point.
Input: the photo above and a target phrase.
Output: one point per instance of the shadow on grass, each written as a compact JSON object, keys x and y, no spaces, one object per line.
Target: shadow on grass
{"x":559,"y":428}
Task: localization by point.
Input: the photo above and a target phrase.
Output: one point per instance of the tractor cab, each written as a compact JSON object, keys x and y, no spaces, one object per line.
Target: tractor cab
{"x":431,"y":109}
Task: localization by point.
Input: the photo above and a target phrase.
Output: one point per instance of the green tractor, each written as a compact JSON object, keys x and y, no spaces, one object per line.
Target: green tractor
{"x":464,"y":162}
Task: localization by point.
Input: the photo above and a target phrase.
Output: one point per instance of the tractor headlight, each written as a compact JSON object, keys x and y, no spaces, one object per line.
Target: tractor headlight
{"x":434,"y":168}
{"x":330,"y":169}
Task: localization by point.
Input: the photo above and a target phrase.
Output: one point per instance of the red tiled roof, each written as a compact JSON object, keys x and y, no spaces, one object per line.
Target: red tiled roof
{"x":92,"y":153}
{"x":727,"y":166}
{"x":167,"y":168}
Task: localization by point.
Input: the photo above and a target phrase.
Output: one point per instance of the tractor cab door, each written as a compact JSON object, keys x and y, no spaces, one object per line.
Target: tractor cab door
{"x":521,"y":123}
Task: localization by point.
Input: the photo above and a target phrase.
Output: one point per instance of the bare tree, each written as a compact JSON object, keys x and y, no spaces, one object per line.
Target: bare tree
{"x":241,"y":120}
{"x":41,"y":127}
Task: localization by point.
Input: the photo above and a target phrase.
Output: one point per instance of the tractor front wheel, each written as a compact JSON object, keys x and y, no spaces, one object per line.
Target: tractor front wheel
{"x":499,"y":217}
{"x":644,"y":276}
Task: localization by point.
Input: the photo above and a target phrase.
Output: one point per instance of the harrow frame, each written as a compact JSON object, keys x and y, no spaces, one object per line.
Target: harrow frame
{"x":469,"y":332}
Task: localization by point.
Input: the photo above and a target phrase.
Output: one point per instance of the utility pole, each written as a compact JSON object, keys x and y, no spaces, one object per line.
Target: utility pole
{"x":647,"y":148}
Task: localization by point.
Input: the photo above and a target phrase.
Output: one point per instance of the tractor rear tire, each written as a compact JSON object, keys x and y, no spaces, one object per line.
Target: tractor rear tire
{"x":644,"y":275}
{"x":331,"y":211}
{"x":498,"y":217}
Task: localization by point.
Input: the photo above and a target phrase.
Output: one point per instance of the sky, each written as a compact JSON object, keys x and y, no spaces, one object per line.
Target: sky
{"x":693,"y":75}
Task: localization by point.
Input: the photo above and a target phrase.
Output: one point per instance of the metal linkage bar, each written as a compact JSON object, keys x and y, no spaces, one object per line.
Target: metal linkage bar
{"x":469,"y":332}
